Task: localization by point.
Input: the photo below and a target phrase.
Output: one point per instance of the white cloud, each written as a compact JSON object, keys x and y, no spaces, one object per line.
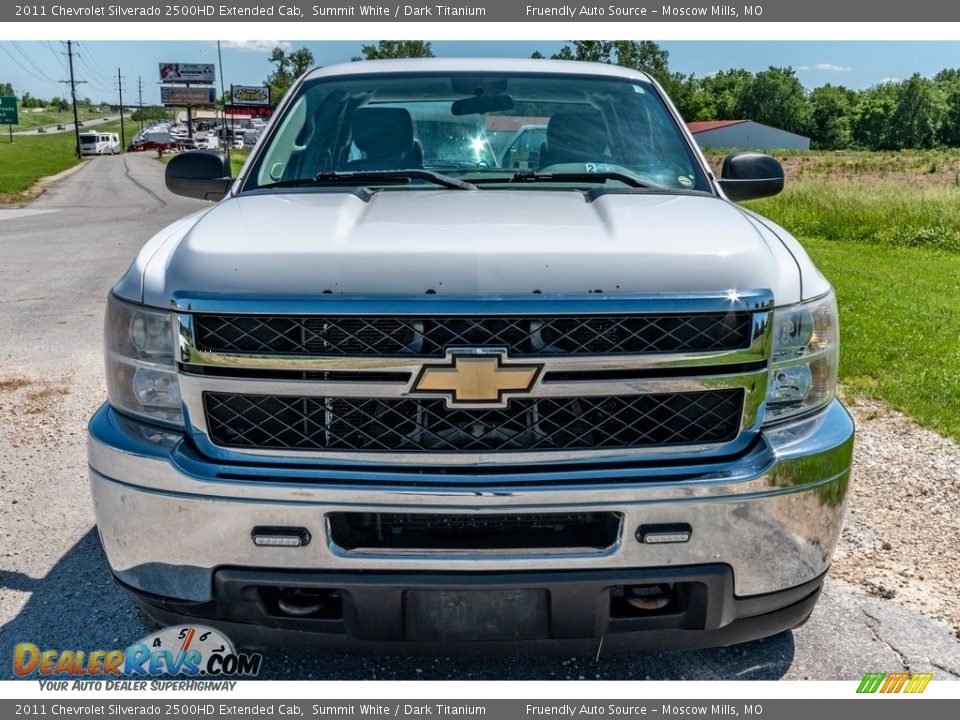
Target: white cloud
{"x":830,"y":67}
{"x":885,"y":80}
{"x":259,"y":46}
{"x":803,"y":68}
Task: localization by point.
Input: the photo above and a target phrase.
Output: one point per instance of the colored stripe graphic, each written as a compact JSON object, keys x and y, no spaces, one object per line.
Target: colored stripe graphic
{"x":894,"y":682}
{"x":871,"y":682}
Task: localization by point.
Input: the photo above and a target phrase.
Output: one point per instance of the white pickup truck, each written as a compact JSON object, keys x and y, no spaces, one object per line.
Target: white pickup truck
{"x":387,"y":390}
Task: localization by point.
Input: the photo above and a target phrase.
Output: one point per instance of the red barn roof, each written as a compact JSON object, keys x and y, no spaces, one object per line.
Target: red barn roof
{"x":704,"y":125}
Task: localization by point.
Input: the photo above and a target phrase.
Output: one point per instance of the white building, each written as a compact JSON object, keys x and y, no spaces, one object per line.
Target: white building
{"x":745,"y":135}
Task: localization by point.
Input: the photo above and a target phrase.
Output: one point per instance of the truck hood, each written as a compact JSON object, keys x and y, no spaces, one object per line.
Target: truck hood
{"x":304,"y":244}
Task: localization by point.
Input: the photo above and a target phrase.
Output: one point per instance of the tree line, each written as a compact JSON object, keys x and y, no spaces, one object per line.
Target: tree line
{"x":915,"y":113}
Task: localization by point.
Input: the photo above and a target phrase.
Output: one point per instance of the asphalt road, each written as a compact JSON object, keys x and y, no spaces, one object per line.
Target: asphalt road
{"x":58,"y":259}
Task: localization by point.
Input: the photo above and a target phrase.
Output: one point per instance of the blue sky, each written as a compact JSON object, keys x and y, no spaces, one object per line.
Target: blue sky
{"x":35,"y":67}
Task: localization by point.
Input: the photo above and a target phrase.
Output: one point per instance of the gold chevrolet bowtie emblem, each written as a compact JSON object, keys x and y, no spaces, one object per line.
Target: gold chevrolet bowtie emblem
{"x":473,"y":377}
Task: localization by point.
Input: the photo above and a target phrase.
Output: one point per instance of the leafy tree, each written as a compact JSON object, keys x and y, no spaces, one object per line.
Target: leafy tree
{"x":919,"y":111}
{"x":832,"y":116}
{"x":950,"y":126}
{"x":640,"y":55}
{"x":289,"y":66}
{"x":6,"y":90}
{"x":724,"y":92}
{"x":150,"y":112}
{"x":872,"y":115}
{"x":390,"y":49}
{"x":776,"y":97}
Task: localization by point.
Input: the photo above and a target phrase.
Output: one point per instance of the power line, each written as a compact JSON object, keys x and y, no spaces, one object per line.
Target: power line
{"x":92,"y":73}
{"x":96,"y":60}
{"x":23,"y":67}
{"x":30,"y":61}
{"x":55,"y":54}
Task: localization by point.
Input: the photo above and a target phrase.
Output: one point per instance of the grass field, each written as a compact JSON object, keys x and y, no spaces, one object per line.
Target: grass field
{"x":32,"y":157}
{"x":900,"y":326}
{"x":30,"y":119}
{"x":887,"y":235}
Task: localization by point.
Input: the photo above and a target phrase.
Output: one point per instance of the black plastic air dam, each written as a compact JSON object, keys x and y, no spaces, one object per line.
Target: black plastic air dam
{"x":377,"y":616}
{"x":365,"y":531}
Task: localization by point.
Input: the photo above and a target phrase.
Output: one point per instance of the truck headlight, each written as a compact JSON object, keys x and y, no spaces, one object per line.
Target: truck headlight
{"x":141,"y":368}
{"x":803,"y":366}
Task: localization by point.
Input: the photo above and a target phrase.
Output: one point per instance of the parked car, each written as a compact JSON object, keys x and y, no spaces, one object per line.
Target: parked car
{"x":61,"y":127}
{"x":387,"y":389}
{"x":41,"y":130}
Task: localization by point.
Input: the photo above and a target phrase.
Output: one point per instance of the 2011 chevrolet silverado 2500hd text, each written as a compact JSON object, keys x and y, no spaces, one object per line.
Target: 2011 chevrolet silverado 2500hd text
{"x":406,"y":383}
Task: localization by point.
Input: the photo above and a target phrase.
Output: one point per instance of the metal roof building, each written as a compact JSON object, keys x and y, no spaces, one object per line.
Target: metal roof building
{"x":746,"y":135}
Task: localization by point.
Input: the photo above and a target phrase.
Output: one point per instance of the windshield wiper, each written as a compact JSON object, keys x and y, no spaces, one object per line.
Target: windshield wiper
{"x":364,"y":177}
{"x":531,"y":176}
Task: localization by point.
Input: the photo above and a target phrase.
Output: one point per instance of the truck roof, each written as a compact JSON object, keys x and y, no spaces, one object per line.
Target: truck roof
{"x":477,"y":65}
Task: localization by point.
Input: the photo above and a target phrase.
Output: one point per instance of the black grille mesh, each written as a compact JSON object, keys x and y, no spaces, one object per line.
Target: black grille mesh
{"x":427,"y":425}
{"x":428,"y":337}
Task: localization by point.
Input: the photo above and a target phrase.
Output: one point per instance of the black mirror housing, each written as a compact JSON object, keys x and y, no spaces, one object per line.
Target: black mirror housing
{"x":201,"y":174}
{"x":750,"y":176}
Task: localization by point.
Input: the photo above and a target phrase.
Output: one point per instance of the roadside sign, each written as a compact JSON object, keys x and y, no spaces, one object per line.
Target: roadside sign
{"x":187,"y":96}
{"x":248,"y":111}
{"x":8,"y":111}
{"x":187,"y":73}
{"x":250,"y":95}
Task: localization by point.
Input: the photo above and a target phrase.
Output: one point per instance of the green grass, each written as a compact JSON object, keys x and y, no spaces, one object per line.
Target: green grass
{"x":900,"y":326}
{"x":885,"y":230}
{"x":32,"y":157}
{"x":29,"y":119}
{"x":881,"y":213}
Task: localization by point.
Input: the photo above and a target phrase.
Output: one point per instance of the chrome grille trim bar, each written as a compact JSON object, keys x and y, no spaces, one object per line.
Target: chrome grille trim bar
{"x":754,"y":383}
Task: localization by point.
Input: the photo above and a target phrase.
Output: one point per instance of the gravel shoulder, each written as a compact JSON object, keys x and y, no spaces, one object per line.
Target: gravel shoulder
{"x":901,"y":535}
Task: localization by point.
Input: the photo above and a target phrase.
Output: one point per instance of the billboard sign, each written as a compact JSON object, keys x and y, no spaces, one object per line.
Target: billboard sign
{"x":248,"y":111}
{"x":8,"y":111}
{"x":250,"y":95}
{"x":188,"y":96}
{"x":187,"y":73}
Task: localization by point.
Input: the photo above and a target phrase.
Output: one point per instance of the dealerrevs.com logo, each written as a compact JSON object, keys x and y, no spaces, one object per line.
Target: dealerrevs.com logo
{"x":191,"y":651}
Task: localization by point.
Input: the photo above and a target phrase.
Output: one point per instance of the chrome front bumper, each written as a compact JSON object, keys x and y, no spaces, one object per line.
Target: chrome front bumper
{"x":169,"y":518}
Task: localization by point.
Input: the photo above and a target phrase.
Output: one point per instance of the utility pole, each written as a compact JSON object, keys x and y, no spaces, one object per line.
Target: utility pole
{"x":73,"y":96}
{"x":123,"y":138}
{"x":223,"y":103}
{"x":140,"y":88}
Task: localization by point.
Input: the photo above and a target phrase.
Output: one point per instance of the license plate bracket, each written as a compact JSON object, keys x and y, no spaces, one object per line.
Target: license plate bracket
{"x":477,"y":615}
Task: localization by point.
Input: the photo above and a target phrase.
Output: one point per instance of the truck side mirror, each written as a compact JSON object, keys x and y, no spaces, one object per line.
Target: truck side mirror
{"x":201,"y":174}
{"x":749,"y":176}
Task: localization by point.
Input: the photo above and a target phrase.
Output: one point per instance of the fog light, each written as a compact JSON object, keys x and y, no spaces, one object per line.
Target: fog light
{"x":280,"y":536}
{"x":665,"y":533}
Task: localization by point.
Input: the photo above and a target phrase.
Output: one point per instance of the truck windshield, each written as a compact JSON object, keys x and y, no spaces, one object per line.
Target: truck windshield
{"x":485,"y":129}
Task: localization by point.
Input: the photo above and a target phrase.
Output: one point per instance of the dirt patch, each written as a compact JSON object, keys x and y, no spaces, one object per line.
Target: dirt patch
{"x":41,"y":400}
{"x":31,"y":409}
{"x":901,"y":536}
{"x":14,"y":383}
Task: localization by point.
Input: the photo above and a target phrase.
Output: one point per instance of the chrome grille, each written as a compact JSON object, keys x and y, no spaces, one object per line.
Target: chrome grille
{"x":430,"y":336}
{"x":281,"y":422}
